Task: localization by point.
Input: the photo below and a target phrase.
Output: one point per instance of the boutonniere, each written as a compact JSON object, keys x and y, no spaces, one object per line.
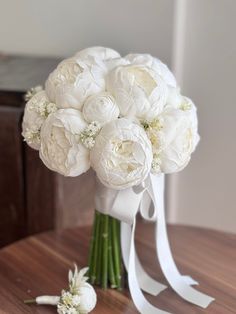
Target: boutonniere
{"x":79,"y":298}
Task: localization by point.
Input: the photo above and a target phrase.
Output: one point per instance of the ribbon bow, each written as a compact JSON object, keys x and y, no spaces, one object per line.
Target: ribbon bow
{"x":148,"y":198}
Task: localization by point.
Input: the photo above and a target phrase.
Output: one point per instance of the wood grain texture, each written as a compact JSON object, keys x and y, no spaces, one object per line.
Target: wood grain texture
{"x":39,"y":264}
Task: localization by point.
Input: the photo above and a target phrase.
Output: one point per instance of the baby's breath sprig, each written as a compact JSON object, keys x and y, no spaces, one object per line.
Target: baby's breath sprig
{"x":152,"y":129}
{"x":88,"y":135}
{"x":32,"y":136}
{"x":156,"y":124}
{"x":44,"y":108}
{"x":31,"y":92}
{"x":156,"y":164}
{"x":185,"y":106}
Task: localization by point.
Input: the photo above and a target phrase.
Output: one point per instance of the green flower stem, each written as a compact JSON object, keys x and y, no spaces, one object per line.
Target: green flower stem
{"x":31,"y":301}
{"x":121,"y":266}
{"x":105,"y":251}
{"x":118,"y":240}
{"x":111,"y":271}
{"x":91,"y":246}
{"x":99,"y":257}
{"x":116,"y":250}
{"x":96,"y":248}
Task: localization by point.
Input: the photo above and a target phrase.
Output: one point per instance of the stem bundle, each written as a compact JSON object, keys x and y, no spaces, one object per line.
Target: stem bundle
{"x":105,"y":265}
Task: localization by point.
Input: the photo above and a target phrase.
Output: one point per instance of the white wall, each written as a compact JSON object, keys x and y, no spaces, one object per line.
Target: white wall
{"x":204,"y":192}
{"x":61,"y":27}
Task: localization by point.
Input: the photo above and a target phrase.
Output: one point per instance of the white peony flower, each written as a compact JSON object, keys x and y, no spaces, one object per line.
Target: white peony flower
{"x":175,"y":141}
{"x":74,"y":80}
{"x":174,"y":98}
{"x":113,"y":63}
{"x":155,"y":64}
{"x":88,"y":298}
{"x":100,"y":107}
{"x":138,"y":90}
{"x":36,"y":111}
{"x":102,"y":53}
{"x":61,"y":149}
{"x":122,"y":154}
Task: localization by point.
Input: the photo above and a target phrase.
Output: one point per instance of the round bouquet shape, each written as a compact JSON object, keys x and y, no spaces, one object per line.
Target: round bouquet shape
{"x":126,"y":118}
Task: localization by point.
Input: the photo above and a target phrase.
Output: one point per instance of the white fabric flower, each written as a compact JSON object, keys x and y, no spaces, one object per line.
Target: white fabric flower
{"x":122,"y":154}
{"x":36,"y":111}
{"x":74,"y":80}
{"x":176,"y":140}
{"x":61,"y":149}
{"x":102,"y":53}
{"x":100,"y":107}
{"x":113,"y":63}
{"x":155,"y":64}
{"x":174,"y":98}
{"x":178,"y":101}
{"x":138,"y":90}
{"x":88,"y":298}
{"x":78,"y":278}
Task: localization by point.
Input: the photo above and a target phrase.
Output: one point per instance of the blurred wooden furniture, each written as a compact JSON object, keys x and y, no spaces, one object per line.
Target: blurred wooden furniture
{"x":12,"y":202}
{"x":32,"y":198}
{"x":39,"y":265}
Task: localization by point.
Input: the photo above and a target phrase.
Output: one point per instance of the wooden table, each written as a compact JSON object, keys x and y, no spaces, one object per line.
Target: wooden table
{"x":39,"y":265}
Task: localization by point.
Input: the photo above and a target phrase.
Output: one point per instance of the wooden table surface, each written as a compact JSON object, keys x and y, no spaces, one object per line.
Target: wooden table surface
{"x":39,"y":265}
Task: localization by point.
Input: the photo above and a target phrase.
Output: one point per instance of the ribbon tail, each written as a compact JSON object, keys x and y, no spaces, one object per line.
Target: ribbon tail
{"x":150,"y":214}
{"x":143,"y":306}
{"x":146,"y":283}
{"x":168,"y":266}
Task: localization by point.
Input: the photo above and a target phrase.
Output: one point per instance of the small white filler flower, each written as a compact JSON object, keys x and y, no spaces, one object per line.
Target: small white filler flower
{"x":33,"y":91}
{"x":37,"y":109}
{"x":79,"y":298}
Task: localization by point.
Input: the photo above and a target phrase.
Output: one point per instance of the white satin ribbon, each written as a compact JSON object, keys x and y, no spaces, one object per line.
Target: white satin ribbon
{"x":165,"y":257}
{"x":146,"y":283}
{"x":141,"y":303}
{"x":110,"y":201}
{"x":149,"y":199}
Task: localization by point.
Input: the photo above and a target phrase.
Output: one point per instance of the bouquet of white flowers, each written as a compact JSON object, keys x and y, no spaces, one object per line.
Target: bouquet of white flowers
{"x":126,"y":118}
